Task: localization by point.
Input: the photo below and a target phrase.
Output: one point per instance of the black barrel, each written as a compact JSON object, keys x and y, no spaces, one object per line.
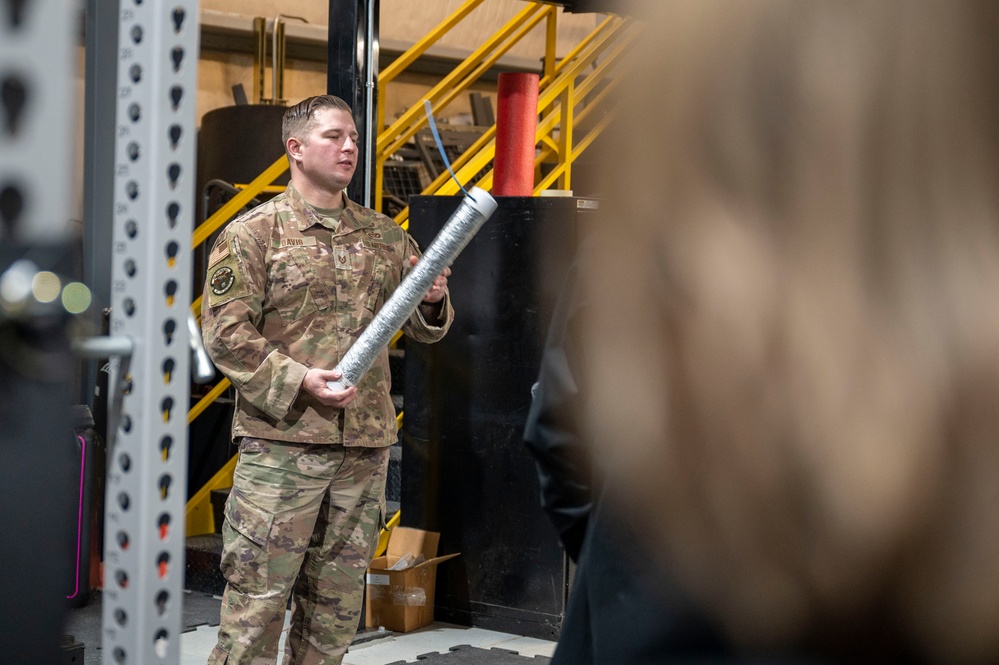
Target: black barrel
{"x":236,"y":143}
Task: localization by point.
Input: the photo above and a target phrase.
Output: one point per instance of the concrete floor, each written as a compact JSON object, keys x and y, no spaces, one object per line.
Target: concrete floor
{"x":440,"y":637}
{"x":201,"y":613}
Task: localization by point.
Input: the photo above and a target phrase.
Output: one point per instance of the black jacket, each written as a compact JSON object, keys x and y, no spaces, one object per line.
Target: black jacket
{"x":621,"y":610}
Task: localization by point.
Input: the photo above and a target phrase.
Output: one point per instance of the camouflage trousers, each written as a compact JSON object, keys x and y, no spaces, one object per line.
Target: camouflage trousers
{"x":301,"y":521}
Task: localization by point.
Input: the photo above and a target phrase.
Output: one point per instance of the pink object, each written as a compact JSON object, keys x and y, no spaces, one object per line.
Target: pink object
{"x":79,"y":515}
{"x":516,"y":124}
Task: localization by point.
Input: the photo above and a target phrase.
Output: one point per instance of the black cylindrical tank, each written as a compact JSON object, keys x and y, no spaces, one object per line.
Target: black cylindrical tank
{"x":236,"y":143}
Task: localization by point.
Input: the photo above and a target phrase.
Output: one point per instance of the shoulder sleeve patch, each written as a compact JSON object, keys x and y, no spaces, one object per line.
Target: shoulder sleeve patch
{"x":225,"y":281}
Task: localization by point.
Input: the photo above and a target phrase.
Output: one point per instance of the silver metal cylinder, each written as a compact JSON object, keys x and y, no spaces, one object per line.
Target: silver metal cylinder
{"x":473,"y":212}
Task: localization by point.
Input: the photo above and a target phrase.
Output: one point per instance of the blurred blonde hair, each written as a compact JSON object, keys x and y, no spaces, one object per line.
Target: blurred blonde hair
{"x":793,"y":342}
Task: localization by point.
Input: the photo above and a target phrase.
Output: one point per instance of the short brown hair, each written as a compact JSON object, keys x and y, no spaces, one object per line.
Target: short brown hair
{"x":299,"y":119}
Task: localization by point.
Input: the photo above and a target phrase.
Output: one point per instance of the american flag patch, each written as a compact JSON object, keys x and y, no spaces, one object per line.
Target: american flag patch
{"x":218,"y":254}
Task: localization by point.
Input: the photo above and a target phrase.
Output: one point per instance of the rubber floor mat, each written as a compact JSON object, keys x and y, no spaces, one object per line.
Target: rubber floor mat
{"x":465,"y":654}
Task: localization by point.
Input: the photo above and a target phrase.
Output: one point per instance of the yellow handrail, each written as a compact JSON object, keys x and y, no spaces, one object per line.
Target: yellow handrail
{"x":398,"y":66}
{"x":199,"y":518}
{"x":221,"y":216}
{"x":383,"y":536}
{"x":567,"y":104}
{"x":549,"y":147}
{"x":611,"y":24}
{"x":591,"y":136}
{"x":431,"y":38}
{"x":402,"y":219}
{"x":226,"y":212}
{"x":546,"y":99}
{"x":611,"y":40}
{"x":551,"y":41}
{"x":210,"y":397}
{"x":403,"y":129}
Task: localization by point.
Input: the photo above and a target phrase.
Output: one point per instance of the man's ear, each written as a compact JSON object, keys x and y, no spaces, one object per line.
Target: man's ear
{"x":294,"y":147}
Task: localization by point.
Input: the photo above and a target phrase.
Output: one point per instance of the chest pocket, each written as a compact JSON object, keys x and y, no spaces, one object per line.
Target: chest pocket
{"x":360,"y":277}
{"x":295,"y":288}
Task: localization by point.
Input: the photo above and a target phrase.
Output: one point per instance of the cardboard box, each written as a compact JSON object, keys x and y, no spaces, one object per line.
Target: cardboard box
{"x":403,"y":600}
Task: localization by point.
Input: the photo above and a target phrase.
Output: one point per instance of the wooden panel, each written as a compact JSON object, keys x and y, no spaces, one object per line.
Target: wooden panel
{"x":405,"y":20}
{"x":314,"y":11}
{"x":218,"y":72}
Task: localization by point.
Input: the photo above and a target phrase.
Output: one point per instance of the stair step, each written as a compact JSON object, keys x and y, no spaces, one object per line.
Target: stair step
{"x":218,"y":498}
{"x":393,"y":484}
{"x":202,"y":564}
{"x":397,"y":370}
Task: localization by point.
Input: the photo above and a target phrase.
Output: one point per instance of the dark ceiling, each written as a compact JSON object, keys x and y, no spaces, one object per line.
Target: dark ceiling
{"x":604,"y":6}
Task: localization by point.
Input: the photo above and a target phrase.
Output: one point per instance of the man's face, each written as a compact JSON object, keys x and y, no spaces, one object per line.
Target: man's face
{"x":329,"y":152}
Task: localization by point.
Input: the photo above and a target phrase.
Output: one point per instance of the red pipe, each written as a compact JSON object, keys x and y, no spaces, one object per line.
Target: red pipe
{"x":516,"y":124}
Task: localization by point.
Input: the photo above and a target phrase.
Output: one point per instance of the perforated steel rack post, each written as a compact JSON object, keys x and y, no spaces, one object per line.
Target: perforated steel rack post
{"x":36,"y":124}
{"x":153,"y":199}
{"x":35,"y":119}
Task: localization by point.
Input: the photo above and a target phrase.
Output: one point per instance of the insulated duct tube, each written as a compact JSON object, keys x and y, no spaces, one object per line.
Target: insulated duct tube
{"x":473,"y":212}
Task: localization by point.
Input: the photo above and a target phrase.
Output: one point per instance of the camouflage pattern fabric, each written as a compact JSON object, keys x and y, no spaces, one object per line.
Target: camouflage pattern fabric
{"x":289,"y":288}
{"x":314,"y":508}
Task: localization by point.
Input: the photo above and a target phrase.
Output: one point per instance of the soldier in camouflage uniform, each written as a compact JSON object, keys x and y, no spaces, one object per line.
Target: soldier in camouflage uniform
{"x":291,"y":285}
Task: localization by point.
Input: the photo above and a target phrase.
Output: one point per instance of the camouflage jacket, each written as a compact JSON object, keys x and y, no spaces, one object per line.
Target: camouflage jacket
{"x":285,"y":292}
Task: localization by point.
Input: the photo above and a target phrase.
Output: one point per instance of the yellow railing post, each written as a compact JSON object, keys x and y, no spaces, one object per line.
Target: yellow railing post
{"x":379,"y":182}
{"x":579,"y":148}
{"x":551,"y":45}
{"x":567,"y":100}
{"x":608,"y":27}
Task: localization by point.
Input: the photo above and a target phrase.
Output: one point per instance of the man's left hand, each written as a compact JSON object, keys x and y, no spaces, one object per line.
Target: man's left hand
{"x":438,"y":288}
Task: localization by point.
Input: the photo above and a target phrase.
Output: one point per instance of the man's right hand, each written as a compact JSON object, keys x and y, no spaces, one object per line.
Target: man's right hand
{"x":315,"y":384}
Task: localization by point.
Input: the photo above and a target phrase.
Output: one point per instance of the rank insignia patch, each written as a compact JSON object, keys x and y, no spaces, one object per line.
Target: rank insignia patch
{"x":222,"y":280}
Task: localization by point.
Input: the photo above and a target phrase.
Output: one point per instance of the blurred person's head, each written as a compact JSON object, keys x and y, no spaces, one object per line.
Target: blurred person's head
{"x":793,"y":342}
